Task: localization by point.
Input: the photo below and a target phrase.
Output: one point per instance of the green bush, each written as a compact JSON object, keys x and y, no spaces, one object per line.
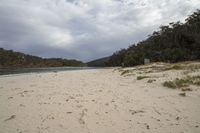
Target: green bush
{"x":142,"y":77}
{"x":169,"y":84}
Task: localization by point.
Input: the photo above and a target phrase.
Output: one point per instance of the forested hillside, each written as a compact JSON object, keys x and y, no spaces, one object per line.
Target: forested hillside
{"x":9,"y":58}
{"x":102,"y":62}
{"x":172,"y":43}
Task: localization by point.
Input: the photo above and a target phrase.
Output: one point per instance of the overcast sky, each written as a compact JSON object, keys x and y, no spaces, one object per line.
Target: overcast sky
{"x":84,"y":29}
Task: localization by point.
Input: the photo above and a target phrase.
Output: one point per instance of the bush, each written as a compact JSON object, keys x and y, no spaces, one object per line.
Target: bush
{"x":169,"y":84}
{"x":142,"y":77}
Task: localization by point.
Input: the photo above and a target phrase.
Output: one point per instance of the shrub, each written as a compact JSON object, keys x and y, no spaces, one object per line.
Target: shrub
{"x":142,"y":77}
{"x":169,"y":84}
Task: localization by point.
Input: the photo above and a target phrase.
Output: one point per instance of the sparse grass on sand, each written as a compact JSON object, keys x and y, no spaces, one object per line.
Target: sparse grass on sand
{"x":123,"y":72}
{"x":151,"y":80}
{"x":188,"y":66}
{"x":183,"y":66}
{"x":182,"y":94}
{"x":184,"y":82}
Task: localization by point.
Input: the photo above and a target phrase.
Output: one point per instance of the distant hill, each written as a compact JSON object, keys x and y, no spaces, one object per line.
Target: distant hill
{"x":11,"y":59}
{"x":98,"y":62}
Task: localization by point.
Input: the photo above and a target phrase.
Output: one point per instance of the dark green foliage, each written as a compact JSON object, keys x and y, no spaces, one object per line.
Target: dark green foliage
{"x":182,"y":94}
{"x":8,"y":58}
{"x":151,"y":80}
{"x":142,"y":77}
{"x":99,"y":62}
{"x":169,"y":84}
{"x":172,"y":43}
{"x":125,"y":72}
{"x":117,"y":58}
{"x":133,"y":58}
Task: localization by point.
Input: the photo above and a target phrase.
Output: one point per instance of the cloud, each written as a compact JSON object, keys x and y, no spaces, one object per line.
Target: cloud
{"x":84,"y":29}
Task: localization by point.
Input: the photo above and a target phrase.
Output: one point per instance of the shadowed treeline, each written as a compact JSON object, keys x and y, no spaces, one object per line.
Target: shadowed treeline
{"x":172,"y":43}
{"x":9,"y":59}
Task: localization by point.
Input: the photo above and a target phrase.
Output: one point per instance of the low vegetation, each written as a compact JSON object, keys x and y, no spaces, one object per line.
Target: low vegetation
{"x":184,"y":82}
{"x":172,"y":43}
{"x":182,"y":94}
{"x":142,"y":77}
{"x":188,"y":65}
{"x":151,"y":80}
{"x":169,"y":84}
{"x":11,"y":59}
{"x":123,"y":72}
{"x":187,"y":68}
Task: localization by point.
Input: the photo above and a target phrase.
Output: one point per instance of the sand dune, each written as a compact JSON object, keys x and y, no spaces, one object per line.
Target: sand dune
{"x":97,"y":101}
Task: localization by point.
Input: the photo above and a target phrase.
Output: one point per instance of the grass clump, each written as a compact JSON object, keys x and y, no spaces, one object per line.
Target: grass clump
{"x":182,"y":66}
{"x":184,"y":82}
{"x":142,"y":77}
{"x":151,"y":80}
{"x":169,"y":84}
{"x":177,"y":67}
{"x":182,"y":94}
{"x":123,"y":72}
{"x":195,"y":80}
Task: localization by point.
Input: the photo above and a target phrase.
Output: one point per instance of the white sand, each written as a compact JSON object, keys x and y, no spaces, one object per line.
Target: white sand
{"x":95,"y":101}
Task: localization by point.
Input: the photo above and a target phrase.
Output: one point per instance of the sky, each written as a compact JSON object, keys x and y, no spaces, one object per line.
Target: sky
{"x":84,"y":29}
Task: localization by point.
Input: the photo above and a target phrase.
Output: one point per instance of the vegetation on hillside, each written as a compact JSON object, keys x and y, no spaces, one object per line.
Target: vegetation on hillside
{"x":143,"y":70}
{"x":11,"y":59}
{"x":102,"y":62}
{"x":172,"y":43}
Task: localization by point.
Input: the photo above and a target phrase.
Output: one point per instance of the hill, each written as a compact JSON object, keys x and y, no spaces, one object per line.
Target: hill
{"x":11,"y":59}
{"x":172,"y":43}
{"x":98,"y":62}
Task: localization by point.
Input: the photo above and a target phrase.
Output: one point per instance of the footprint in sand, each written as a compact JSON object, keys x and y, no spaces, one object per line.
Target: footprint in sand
{"x":45,"y":103}
{"x":81,"y":120}
{"x":14,"y":89}
{"x":100,"y":90}
{"x":147,"y":126}
{"x":22,"y":131}
{"x":21,"y":105}
{"x":79,"y":106}
{"x":71,"y":97}
{"x":33,"y":85}
{"x":10,"y":118}
{"x":10,"y":97}
{"x":79,"y":95}
{"x":69,"y":112}
{"x":25,"y":92}
{"x":107,"y":104}
{"x":112,"y":101}
{"x":48,"y":117}
{"x":133,"y":112}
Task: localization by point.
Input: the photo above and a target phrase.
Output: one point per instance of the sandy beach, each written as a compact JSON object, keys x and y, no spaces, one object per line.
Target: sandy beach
{"x":97,"y":101}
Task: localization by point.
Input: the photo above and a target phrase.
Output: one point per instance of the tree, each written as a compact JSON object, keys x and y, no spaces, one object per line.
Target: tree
{"x":174,"y":42}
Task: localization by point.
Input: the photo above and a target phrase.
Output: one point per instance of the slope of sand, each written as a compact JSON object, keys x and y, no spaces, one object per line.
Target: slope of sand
{"x":96,"y":101}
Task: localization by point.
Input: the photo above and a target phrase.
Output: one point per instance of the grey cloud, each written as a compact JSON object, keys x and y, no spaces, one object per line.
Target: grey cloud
{"x":84,"y":29}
